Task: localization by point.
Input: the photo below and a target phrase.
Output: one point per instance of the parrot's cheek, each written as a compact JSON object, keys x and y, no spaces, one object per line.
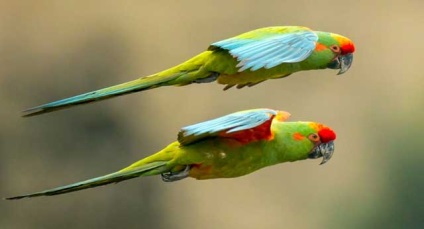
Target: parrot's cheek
{"x":335,"y":64}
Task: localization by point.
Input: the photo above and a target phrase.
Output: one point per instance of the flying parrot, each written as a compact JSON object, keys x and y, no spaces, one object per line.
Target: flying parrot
{"x":229,"y":146}
{"x":243,"y":60}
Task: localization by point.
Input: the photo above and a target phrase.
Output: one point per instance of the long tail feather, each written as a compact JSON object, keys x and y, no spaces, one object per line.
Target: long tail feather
{"x":190,"y":71}
{"x":141,"y":84}
{"x":153,"y":168}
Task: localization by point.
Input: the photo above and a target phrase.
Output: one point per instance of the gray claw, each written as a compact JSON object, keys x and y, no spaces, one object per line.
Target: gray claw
{"x":175,"y":176}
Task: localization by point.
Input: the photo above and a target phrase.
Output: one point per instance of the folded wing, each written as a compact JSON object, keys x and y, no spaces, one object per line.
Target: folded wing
{"x":244,"y":126}
{"x":269,"y":47}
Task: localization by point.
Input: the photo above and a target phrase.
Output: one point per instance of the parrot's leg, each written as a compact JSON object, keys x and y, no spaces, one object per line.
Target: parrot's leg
{"x":279,"y":77}
{"x":212,"y":77}
{"x":228,"y":86}
{"x":253,"y":84}
{"x":240,"y":86}
{"x":175,"y":176}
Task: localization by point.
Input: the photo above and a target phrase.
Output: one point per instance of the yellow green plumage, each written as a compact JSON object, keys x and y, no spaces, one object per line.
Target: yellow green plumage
{"x":244,"y":60}
{"x":230,"y":146}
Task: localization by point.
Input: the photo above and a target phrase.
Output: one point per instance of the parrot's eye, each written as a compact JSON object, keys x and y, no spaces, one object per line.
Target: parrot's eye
{"x":335,"y":48}
{"x":314,"y":137}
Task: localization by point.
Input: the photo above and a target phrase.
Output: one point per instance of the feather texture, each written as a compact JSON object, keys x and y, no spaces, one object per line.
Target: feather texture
{"x":270,"y":49}
{"x":149,"y":169}
{"x":229,"y":125}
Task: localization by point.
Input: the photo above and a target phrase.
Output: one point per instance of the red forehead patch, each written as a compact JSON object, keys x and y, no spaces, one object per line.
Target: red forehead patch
{"x":347,"y":47}
{"x":326,"y":135}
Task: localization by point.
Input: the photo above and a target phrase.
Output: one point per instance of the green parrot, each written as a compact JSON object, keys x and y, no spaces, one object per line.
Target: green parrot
{"x":244,"y":60}
{"x":229,"y":146}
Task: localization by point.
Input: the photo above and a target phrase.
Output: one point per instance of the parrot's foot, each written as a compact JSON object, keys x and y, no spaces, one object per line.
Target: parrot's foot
{"x":175,"y":176}
{"x":212,"y":77}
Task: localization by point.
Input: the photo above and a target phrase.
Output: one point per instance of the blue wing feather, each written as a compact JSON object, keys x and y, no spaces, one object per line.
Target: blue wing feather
{"x":231,"y":123}
{"x":271,"y":50}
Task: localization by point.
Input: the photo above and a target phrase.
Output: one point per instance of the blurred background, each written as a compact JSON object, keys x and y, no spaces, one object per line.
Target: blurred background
{"x":51,"y":50}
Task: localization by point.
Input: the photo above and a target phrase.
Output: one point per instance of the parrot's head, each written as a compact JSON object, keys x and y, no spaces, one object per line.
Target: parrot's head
{"x":303,"y":140}
{"x":339,"y":47}
{"x":323,"y":139}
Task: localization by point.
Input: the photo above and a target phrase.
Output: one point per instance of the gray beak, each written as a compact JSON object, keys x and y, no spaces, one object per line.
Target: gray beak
{"x":324,"y":150}
{"x":345,"y":63}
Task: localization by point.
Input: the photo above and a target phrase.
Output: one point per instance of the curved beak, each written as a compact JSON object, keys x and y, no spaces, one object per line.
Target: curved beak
{"x":345,"y":63}
{"x":342,"y":62}
{"x":324,"y":150}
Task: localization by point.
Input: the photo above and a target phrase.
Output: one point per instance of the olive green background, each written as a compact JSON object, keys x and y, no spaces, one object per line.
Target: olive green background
{"x":54,"y":49}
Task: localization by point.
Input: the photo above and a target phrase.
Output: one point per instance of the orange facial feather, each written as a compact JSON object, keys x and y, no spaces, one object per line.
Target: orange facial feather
{"x":298,"y":136}
{"x":320,"y":47}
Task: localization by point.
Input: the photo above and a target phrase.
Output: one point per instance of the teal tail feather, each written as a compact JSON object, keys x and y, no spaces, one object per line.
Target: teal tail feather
{"x":191,"y":71}
{"x":149,"y":169}
{"x":141,"y":84}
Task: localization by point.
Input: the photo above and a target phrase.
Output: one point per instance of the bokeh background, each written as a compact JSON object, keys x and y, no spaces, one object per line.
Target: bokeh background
{"x":54,"y":49}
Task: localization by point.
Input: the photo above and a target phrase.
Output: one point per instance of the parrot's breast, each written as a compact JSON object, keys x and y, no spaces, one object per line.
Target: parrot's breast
{"x":227,"y":162}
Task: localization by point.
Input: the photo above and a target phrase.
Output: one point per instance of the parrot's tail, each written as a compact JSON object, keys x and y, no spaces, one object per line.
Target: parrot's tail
{"x":188,"y":72}
{"x":152,"y":168}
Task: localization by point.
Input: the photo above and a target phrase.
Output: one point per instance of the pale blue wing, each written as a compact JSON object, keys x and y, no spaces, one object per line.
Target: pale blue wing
{"x":234,"y":122}
{"x":271,"y":50}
